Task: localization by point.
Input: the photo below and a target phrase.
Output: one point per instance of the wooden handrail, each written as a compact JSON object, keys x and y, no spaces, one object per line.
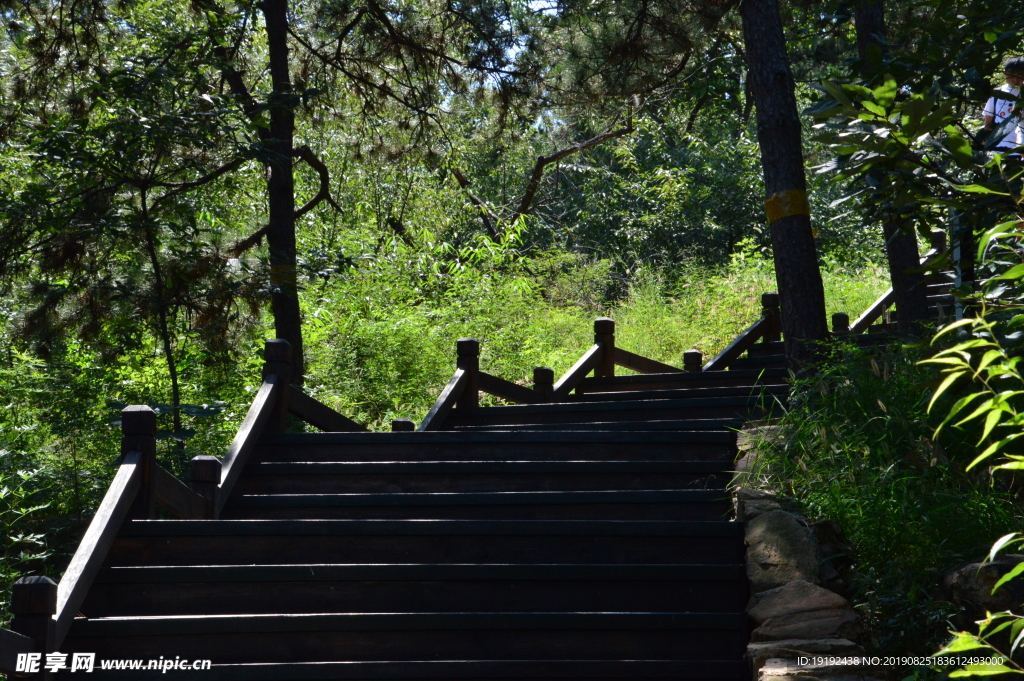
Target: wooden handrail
{"x":248,"y":433}
{"x":645,"y":365}
{"x":93,"y":548}
{"x":13,"y":644}
{"x":318,"y":414}
{"x":507,"y":390}
{"x":878,"y":308}
{"x":590,"y":359}
{"x":445,"y":401}
{"x":741,"y":344}
{"x":175,"y":496}
{"x":874,"y":311}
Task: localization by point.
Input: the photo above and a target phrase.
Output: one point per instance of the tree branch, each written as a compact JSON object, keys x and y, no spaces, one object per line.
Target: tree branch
{"x":248,"y":242}
{"x":179,"y":187}
{"x":489,"y":218}
{"x":542,"y":161}
{"x":307,"y":155}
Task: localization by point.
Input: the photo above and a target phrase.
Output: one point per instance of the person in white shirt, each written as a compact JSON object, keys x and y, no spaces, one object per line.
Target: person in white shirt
{"x":997,"y":110}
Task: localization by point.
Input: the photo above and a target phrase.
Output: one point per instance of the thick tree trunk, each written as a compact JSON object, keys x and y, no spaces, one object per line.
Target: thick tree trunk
{"x":801,"y":293}
{"x":908,"y":283}
{"x":281,"y":188}
{"x":900,"y":245}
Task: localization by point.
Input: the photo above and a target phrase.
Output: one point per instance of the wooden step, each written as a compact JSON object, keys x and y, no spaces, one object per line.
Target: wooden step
{"x":261,"y":589}
{"x":721,"y":424}
{"x":478,"y":476}
{"x":657,"y":504}
{"x":488,"y":446}
{"x":477,"y":670}
{"x":763,"y":362}
{"x":763,"y":349}
{"x":623,"y":410}
{"x":680,"y":380}
{"x":416,"y":636}
{"x":774,"y":389}
{"x":228,"y":542}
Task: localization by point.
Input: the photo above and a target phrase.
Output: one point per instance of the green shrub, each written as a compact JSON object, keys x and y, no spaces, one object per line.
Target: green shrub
{"x":857,"y":449}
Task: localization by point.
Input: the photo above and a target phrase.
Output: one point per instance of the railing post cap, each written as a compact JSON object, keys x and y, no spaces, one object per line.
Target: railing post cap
{"x":138,"y":419}
{"x":403,"y":425}
{"x":604,"y":325}
{"x":543,"y":375}
{"x":34,"y":596}
{"x":693,"y":353}
{"x":770,"y":299}
{"x":205,"y":468}
{"x":467,"y":346}
{"x":277,"y":350}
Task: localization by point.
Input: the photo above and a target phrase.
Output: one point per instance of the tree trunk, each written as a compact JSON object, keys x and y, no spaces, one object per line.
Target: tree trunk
{"x":900,"y":244}
{"x":801,"y":293}
{"x":281,"y":190}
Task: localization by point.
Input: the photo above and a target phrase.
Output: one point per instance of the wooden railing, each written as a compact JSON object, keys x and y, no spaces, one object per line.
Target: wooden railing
{"x":841,"y":321}
{"x":44,"y":610}
{"x":600,"y":359}
{"x":767,"y":329}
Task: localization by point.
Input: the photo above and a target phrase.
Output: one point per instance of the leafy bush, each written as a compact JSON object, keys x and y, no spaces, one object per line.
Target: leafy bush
{"x":857,"y":449}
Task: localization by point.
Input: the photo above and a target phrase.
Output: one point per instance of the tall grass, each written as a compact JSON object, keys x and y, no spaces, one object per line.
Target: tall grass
{"x":376,"y":352}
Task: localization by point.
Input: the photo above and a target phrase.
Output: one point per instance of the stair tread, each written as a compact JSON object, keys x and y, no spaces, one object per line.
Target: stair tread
{"x":684,"y":393}
{"x":614,"y":406}
{"x":513,"y":670}
{"x":611,"y":426}
{"x":312,"y":527}
{"x":274,"y":468}
{"x":315,"y":572}
{"x":542,"y":497}
{"x":282,"y":622}
{"x":449,"y":437}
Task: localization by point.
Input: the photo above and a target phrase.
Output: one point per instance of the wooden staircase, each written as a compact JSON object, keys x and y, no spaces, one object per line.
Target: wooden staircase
{"x":584,"y":533}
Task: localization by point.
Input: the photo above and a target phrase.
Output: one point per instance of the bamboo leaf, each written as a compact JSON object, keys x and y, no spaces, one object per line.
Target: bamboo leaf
{"x":944,"y":386}
{"x":1017,"y":569}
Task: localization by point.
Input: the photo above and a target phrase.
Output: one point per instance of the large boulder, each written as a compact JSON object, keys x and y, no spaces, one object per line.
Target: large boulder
{"x":780,"y":549}
{"x":841,"y":622}
{"x":751,"y":503}
{"x":796,"y":596}
{"x":971,"y":585}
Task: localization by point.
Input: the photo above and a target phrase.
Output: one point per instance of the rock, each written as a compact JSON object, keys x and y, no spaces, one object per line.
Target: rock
{"x":759,"y":653}
{"x":791,"y":670}
{"x":752,"y":435}
{"x":796,"y":596}
{"x":971,"y":586}
{"x":843,"y":622}
{"x":780,"y":549}
{"x":751,"y":503}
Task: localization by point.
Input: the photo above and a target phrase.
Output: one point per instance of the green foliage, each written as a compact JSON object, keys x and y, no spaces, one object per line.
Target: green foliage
{"x":21,"y":548}
{"x":856,"y":448}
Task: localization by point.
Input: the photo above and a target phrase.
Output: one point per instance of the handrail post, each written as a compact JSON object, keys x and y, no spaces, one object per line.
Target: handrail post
{"x":34,"y":603}
{"x":770,"y":308}
{"x":937,"y":238}
{"x":205,"y":477}
{"x":403,"y":426}
{"x":468,"y":359}
{"x":543,"y":383}
{"x":693,"y":361}
{"x":840,"y":324}
{"x":277,"y":357}
{"x":604,"y":334}
{"x":138,"y":434}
